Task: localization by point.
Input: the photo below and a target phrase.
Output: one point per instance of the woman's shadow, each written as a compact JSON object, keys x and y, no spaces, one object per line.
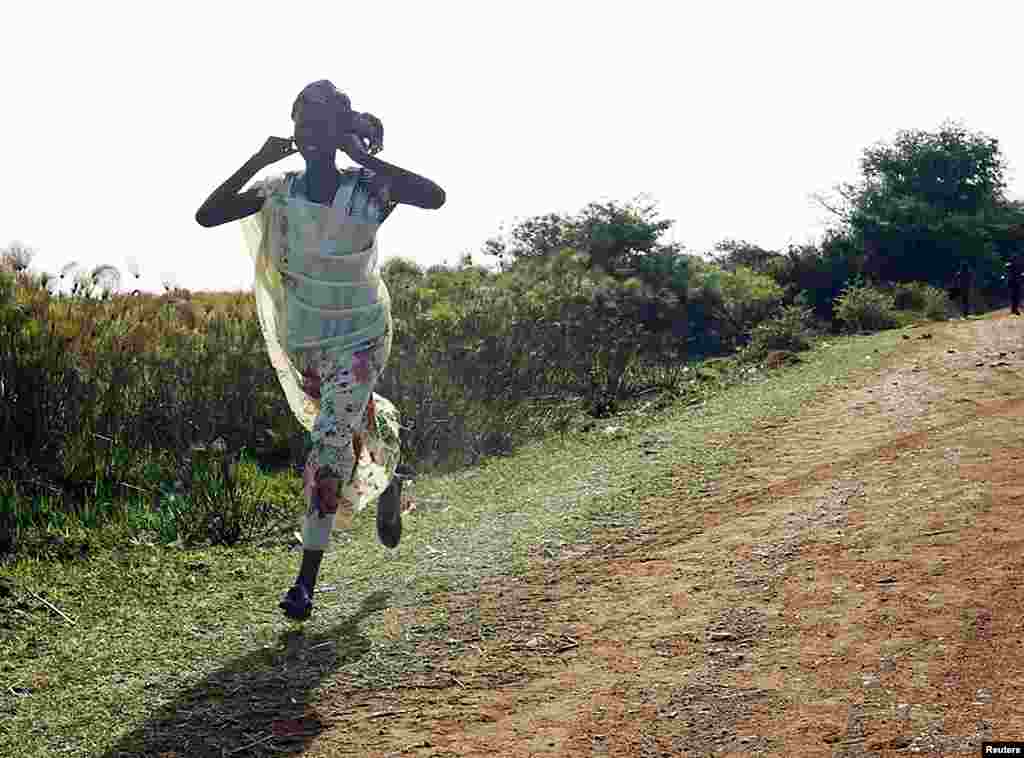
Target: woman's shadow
{"x":258,"y":700}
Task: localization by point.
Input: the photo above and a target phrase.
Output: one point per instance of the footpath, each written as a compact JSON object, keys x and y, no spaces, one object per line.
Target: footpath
{"x":853,"y":587}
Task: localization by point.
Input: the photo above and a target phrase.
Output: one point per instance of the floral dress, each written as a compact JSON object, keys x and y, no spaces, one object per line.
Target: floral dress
{"x":324,"y":307}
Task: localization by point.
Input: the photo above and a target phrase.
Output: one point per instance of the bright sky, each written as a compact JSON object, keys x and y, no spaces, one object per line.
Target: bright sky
{"x":121,"y":118}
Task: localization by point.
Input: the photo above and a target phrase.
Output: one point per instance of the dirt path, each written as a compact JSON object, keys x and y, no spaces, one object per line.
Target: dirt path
{"x":853,"y":588}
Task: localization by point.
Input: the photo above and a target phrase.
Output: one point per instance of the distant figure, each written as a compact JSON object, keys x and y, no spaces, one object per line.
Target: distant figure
{"x":1013,"y":281}
{"x":964,"y":280}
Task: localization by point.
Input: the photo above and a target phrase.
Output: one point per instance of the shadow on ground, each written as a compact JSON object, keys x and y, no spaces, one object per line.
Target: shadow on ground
{"x":257,"y":704}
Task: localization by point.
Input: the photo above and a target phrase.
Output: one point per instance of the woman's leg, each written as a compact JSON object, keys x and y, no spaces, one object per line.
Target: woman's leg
{"x":346,"y":383}
{"x":320,"y":498}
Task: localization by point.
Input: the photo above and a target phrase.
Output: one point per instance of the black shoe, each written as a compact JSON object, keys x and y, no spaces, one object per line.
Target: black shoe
{"x":389,"y":514}
{"x":297,"y":604}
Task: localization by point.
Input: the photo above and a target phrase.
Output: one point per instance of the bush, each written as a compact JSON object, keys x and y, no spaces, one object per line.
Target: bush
{"x":818,"y":271}
{"x":727,"y":305}
{"x":909,"y":296}
{"x":792,"y":329}
{"x":222,"y":499}
{"x":862,"y":308}
{"x":937,"y":305}
{"x":39,"y":385}
{"x":923,"y":299}
{"x":932,"y":302}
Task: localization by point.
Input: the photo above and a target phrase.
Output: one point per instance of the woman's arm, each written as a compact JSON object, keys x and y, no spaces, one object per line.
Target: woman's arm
{"x":226,"y":203}
{"x":407,"y":187}
{"x":403,"y":186}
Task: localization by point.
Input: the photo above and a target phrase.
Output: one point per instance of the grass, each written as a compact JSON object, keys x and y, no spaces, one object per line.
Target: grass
{"x":184,"y":650}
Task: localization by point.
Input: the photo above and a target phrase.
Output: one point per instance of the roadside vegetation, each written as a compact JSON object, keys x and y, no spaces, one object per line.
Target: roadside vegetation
{"x":138,"y":416}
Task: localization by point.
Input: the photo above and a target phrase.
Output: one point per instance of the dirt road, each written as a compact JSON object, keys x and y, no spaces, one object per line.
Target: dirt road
{"x":855,"y":587}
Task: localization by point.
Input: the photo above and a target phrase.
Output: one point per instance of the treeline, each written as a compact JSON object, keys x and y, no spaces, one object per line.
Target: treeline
{"x":110,"y":401}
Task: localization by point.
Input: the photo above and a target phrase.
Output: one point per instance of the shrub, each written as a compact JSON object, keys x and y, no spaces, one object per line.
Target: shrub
{"x":819,"y":271}
{"x":39,"y":385}
{"x":863,"y":308}
{"x":909,"y":296}
{"x":728,"y":304}
{"x":223,"y":500}
{"x":932,"y":302}
{"x":937,"y":305}
{"x":792,"y":329}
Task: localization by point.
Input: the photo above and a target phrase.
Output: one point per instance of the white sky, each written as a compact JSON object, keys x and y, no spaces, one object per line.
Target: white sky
{"x":121,"y":118}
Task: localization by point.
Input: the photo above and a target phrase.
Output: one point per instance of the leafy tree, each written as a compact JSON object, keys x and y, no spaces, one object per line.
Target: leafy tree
{"x":1008,"y":232}
{"x":610,"y":234}
{"x":619,"y":240}
{"x":730,"y":253}
{"x":400,"y":270}
{"x":663,"y":314}
{"x":926,"y":202}
{"x":952,"y":170}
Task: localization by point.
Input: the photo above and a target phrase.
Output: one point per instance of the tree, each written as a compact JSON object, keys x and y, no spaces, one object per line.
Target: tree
{"x":399,"y":272}
{"x":644,"y":280}
{"x":611,"y":234}
{"x":730,"y":254}
{"x":925,"y":203}
{"x":951,"y":170}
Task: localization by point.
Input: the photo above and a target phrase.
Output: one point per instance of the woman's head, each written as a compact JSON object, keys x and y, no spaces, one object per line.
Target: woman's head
{"x":322,"y":113}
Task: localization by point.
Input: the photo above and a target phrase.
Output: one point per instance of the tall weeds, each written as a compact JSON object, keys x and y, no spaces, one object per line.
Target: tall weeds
{"x":106,"y":400}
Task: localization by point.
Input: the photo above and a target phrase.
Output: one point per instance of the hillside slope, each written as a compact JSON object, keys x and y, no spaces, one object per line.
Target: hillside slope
{"x":852,"y":587}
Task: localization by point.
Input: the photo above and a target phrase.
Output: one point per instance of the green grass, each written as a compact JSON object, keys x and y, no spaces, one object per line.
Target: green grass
{"x":185,"y":650}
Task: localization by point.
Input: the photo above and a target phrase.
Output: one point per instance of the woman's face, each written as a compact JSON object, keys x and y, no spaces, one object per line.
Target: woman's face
{"x":318,"y":129}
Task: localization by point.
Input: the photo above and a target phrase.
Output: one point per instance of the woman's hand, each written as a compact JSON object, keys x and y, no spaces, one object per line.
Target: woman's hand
{"x":353,"y":146}
{"x":311,"y":383}
{"x":274,"y":149}
{"x":369,"y":127}
{"x":366,"y":137}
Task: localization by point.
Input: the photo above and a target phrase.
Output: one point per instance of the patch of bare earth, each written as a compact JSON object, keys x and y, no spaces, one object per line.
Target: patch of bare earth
{"x":853,"y":587}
